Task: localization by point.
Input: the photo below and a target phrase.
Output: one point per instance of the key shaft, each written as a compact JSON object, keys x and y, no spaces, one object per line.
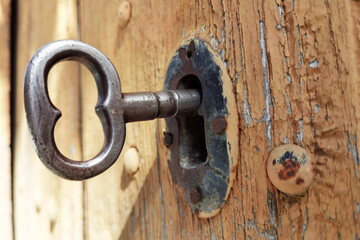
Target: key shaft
{"x":144,"y":106}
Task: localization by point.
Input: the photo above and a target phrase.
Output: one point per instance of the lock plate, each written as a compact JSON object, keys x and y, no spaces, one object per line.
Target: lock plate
{"x":205,"y":148}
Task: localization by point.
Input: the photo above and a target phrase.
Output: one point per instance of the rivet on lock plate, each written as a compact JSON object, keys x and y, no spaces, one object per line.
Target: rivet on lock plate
{"x":204,"y":150}
{"x":198,"y":103}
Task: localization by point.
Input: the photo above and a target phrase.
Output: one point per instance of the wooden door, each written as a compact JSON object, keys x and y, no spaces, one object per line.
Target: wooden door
{"x":295,"y":71}
{"x":6,"y":230}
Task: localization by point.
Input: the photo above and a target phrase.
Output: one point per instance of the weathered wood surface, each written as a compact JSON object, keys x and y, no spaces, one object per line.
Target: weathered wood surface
{"x":290,"y":65}
{"x":46,"y":206}
{"x":5,"y":152}
{"x":295,"y":72}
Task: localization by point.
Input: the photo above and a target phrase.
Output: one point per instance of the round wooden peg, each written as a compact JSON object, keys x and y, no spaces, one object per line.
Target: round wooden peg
{"x":124,"y":13}
{"x":290,"y":169}
{"x":131,"y":160}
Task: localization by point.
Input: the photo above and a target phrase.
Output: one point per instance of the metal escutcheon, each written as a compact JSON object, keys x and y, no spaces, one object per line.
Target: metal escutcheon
{"x":205,"y":147}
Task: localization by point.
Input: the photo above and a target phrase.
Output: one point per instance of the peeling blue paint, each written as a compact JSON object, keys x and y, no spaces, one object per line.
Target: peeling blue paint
{"x":267,"y":116}
{"x":198,"y":226}
{"x":314,"y":64}
{"x":207,"y":231}
{"x":288,"y":77}
{"x":299,"y":47}
{"x":213,"y":235}
{"x":223,"y":35}
{"x":316,"y":108}
{"x":305,"y":226}
{"x":241,"y":54}
{"x":230,"y":40}
{"x":183,"y":32}
{"x":222,"y":54}
{"x":281,"y":15}
{"x":353,"y":149}
{"x":203,"y":29}
{"x":271,"y":206}
{"x":300,"y":134}
{"x":269,"y":234}
{"x":214,"y":43}
{"x":253,"y":224}
{"x":292,"y":234}
{"x":247,"y":110}
{"x":293,"y":4}
{"x":288,"y":105}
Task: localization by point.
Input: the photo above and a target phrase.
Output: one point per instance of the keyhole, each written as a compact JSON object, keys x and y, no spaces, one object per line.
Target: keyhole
{"x":192,"y":145}
{"x":76,"y":101}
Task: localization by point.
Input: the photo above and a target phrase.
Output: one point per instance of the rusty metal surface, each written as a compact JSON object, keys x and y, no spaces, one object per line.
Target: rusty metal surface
{"x":168,"y":138}
{"x":218,"y":125}
{"x":204,"y":182}
{"x":113,"y":108}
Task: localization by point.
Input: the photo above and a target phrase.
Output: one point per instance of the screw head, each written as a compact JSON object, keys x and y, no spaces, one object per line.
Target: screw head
{"x":195,"y":195}
{"x":290,"y":169}
{"x":196,"y":211}
{"x":219,"y":125}
{"x":168,"y":139}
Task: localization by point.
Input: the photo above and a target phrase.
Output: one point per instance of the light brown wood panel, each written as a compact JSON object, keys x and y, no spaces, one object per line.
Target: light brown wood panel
{"x":110,"y":196}
{"x":292,"y":64}
{"x":46,"y":206}
{"x":295,"y":71}
{"x":6,"y":228}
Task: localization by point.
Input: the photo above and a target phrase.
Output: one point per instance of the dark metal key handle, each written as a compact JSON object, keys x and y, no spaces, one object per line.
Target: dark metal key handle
{"x":113,"y":108}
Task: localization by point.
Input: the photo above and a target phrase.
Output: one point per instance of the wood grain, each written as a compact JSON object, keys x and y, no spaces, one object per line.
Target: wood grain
{"x":46,"y":206}
{"x":295,"y":68}
{"x":6,"y":228}
{"x":289,"y":62}
{"x":106,"y":216}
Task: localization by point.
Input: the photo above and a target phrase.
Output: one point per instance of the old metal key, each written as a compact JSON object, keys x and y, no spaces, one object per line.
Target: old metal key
{"x":113,"y":108}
